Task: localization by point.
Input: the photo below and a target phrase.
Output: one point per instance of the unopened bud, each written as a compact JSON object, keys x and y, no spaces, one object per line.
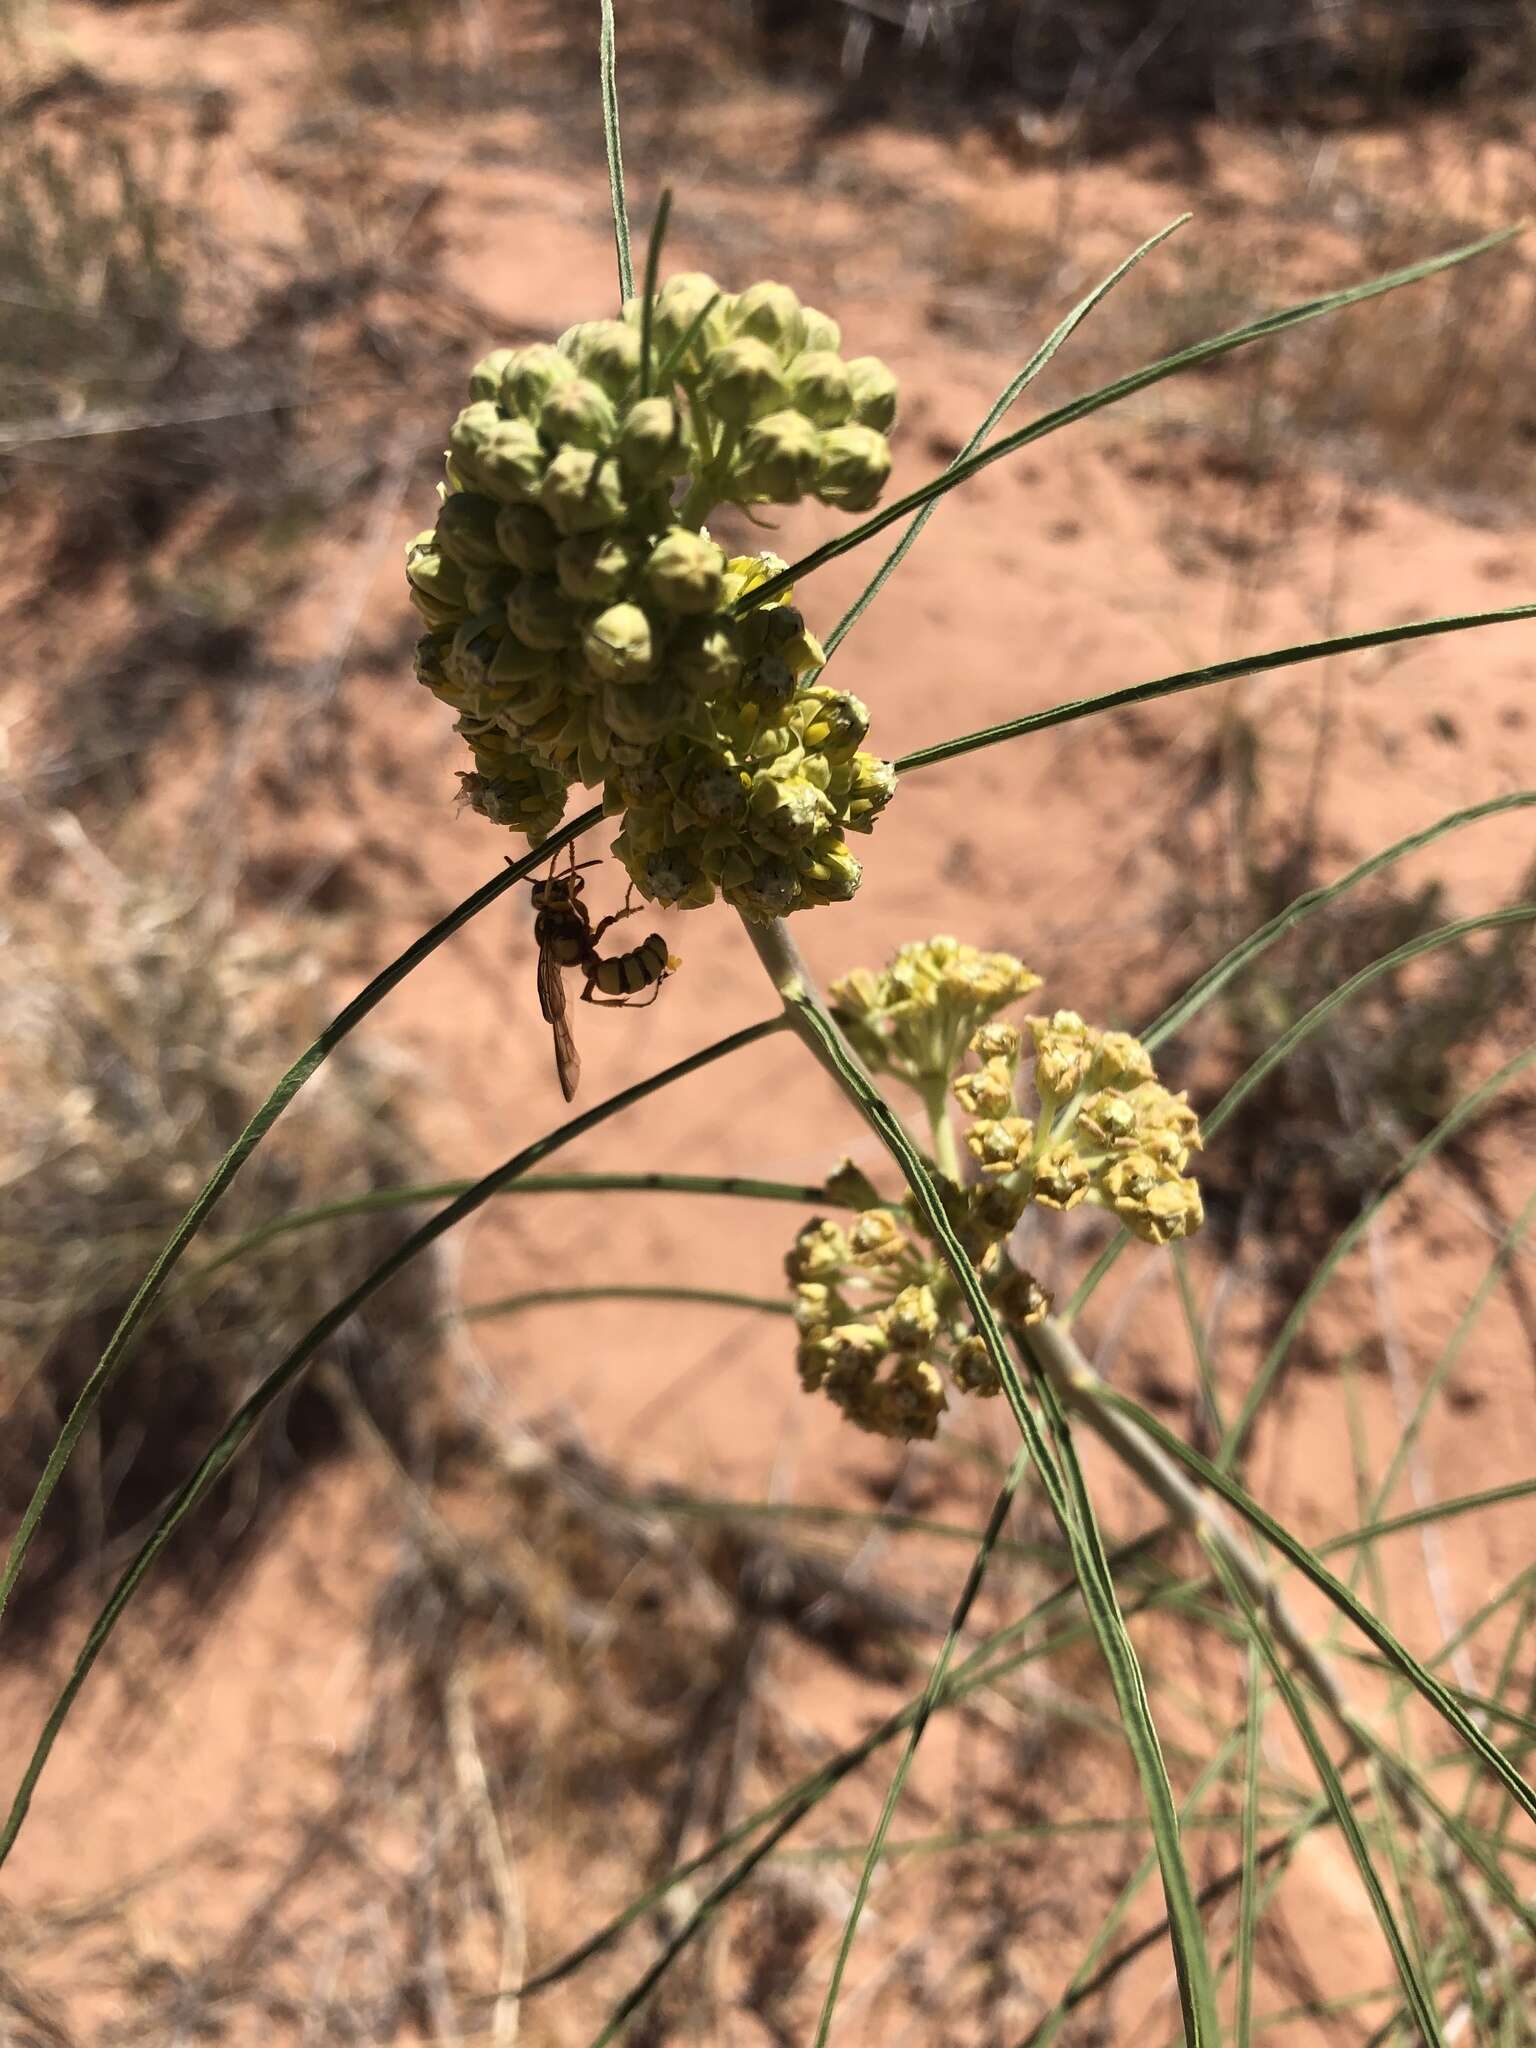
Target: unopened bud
{"x":744,"y":381}
{"x":855,"y":464}
{"x":618,"y":645}
{"x":531,"y":374}
{"x":594,"y":567}
{"x":819,"y":387}
{"x":653,"y":441}
{"x":607,"y":351}
{"x":466,"y":530}
{"x":771,"y":313}
{"x":485,"y":378}
{"x":685,"y":572}
{"x":582,"y":491}
{"x":578,"y":414}
{"x":527,"y":537}
{"x":779,"y":459}
{"x":540,"y":613}
{"x":874,"y":393}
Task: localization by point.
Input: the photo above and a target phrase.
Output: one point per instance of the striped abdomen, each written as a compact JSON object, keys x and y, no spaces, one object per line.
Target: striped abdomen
{"x":625,"y":974}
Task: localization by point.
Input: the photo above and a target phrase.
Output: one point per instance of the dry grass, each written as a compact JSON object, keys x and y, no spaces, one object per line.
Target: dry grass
{"x":142,"y":1020}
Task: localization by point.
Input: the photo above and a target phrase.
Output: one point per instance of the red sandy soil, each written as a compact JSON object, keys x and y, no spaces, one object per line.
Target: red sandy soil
{"x":1094,"y":561}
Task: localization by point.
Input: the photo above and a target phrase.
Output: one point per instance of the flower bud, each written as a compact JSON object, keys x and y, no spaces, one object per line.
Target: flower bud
{"x":972,"y":1369}
{"x":999,"y":1041}
{"x":771,"y":889}
{"x":744,"y":381}
{"x":779,"y":459}
{"x":1169,"y":1211}
{"x":530,"y":376}
{"x":1064,"y":1052}
{"x":645,"y":712}
{"x":501,"y":457}
{"x":1121,"y":1058}
{"x":912,"y":1320}
{"x":830,"y":874}
{"x":582,"y":492}
{"x":833,"y":722}
{"x":871,"y":785}
{"x":653,"y":442}
{"x":913,"y":1400}
{"x":768,"y":682}
{"x":594,"y":567}
{"x":706,"y":654}
{"x":607,"y":351}
{"x":533,"y":804}
{"x":1019,"y":1297}
{"x":540,"y":613}
{"x":466,"y":530}
{"x":716,"y":793}
{"x":516,"y":662}
{"x":685,"y":572}
{"x":669,"y":876}
{"x":474,"y":647}
{"x":437,"y":583}
{"x":818,"y":1252}
{"x":578,"y":414}
{"x":823,"y":336}
{"x":988,"y":1092}
{"x":678,"y":304}
{"x":617,"y":645}
{"x":487,"y":590}
{"x":1062,"y":1176}
{"x":788,"y":812}
{"x":855,"y":463}
{"x":1001,"y":1145}
{"x":877,"y":1239}
{"x":771,"y":313}
{"x":819,"y":387}
{"x":485,"y":378}
{"x":527,"y":537}
{"x":874,"y":393}
{"x":431,"y":652}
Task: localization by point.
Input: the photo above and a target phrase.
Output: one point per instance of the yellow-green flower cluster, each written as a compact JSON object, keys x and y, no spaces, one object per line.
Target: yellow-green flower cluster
{"x":586,"y":627}
{"x":883,"y":1327}
{"x":1059,"y":1115}
{"x":1100,"y":1128}
{"x":915,"y":1019}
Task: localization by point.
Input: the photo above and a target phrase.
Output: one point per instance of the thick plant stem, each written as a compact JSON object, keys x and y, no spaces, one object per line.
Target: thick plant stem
{"x":1061,"y":1359}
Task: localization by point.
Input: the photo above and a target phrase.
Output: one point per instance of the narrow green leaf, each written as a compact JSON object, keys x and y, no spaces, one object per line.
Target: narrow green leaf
{"x":120,"y":1344}
{"x":1417,"y":1993}
{"x":1007,"y":398}
{"x":652,"y":273}
{"x":1350,"y":1236}
{"x":802,"y":1193}
{"x":1406,"y":1665}
{"x":1248,"y":1868}
{"x":1123,"y":387}
{"x":1209,"y":984}
{"x":1074,"y":708}
{"x":932,"y":1693}
{"x":608,"y":70}
{"x":284,"y":1374}
{"x":547,"y":1297}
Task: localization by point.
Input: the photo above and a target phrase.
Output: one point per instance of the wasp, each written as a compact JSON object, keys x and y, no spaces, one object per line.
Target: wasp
{"x":566,"y":937}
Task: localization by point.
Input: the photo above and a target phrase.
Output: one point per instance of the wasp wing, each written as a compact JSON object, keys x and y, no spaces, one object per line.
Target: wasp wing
{"x":552,"y":1003}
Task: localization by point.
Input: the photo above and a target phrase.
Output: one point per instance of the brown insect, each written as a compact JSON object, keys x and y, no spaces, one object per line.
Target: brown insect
{"x":566,"y":937}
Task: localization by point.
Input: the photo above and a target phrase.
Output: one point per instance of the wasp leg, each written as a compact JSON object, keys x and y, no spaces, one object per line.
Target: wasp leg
{"x":589,"y":995}
{"x":613,"y":917}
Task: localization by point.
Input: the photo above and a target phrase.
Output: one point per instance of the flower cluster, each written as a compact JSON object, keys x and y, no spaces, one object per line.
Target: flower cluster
{"x":884,"y":1328}
{"x":1105,"y":1130}
{"x":586,"y":627}
{"x":916,"y":1017}
{"x":883,"y":1325}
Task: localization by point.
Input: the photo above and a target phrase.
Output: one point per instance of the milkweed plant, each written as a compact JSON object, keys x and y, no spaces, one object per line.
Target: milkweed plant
{"x":586,"y":630}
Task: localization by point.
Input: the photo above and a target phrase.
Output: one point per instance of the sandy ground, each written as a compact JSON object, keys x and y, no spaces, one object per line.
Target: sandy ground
{"x":1098,"y":853}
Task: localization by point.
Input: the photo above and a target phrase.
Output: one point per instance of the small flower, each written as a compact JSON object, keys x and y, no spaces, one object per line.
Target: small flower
{"x":874,"y":393}
{"x":1064,"y":1053}
{"x":854,"y":467}
{"x":685,"y":572}
{"x":912,"y":1320}
{"x":821,"y":1250}
{"x":1001,"y":1146}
